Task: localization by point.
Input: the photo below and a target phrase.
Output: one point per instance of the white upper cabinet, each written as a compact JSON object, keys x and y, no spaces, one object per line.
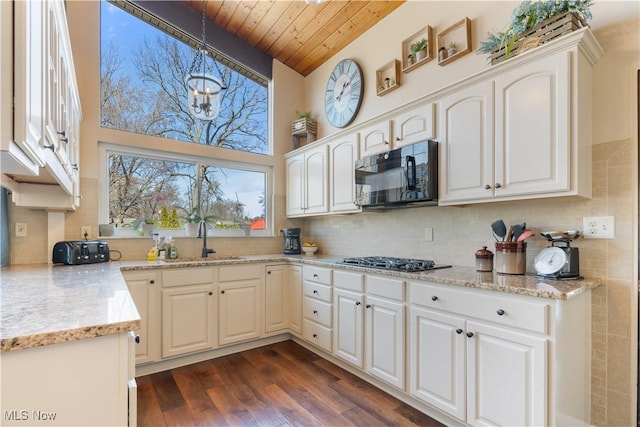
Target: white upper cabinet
{"x":415,"y":125}
{"x":343,"y":154}
{"x":375,"y":138}
{"x":523,"y":130}
{"x":307,"y":182}
{"x":466,"y":144}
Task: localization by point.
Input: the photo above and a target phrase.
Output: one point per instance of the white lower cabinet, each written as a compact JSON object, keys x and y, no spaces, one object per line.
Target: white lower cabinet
{"x":144,"y":287}
{"x":294,"y":288}
{"x":348,"y":314}
{"x":240,"y":302}
{"x":276,"y":298}
{"x":188,"y":310}
{"x":385,"y":329}
{"x":317,"y":307}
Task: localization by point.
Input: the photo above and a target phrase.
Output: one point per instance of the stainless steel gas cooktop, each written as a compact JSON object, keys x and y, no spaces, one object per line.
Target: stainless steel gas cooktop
{"x":395,"y":264}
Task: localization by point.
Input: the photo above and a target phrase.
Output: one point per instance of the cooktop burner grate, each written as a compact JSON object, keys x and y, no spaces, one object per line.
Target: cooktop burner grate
{"x":392,"y":263}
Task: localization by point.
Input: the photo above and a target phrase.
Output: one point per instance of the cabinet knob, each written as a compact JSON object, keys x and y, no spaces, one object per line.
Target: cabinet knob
{"x":357,"y":302}
{"x":153,"y":282}
{"x":315,"y":276}
{"x":315,"y":292}
{"x":51,"y":147}
{"x":469,"y":334}
{"x":487,"y":187}
{"x":222,"y":291}
{"x":315,"y":335}
{"x":315,"y":311}
{"x":386,"y":143}
{"x":368,"y":305}
{"x":397,"y":138}
{"x":268,"y":272}
{"x":458,"y":331}
{"x":211,"y":293}
{"x":137,"y":339}
{"x":500,"y":312}
{"x":498,"y":185}
{"x":434,"y":298}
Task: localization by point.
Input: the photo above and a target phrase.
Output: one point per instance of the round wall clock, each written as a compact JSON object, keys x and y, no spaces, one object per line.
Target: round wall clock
{"x":343,"y":95}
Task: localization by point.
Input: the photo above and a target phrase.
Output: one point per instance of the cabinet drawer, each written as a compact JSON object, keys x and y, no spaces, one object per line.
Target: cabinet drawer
{"x":318,"y":311}
{"x":187,"y":276}
{"x":316,"y":274}
{"x":318,"y":291}
{"x":316,"y":334}
{"x":517,"y":313}
{"x":349,"y":281}
{"x":385,"y":287}
{"x":240,"y":272}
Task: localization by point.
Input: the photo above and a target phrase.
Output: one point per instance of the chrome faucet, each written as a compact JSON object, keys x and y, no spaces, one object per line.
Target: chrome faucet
{"x":202,"y":232}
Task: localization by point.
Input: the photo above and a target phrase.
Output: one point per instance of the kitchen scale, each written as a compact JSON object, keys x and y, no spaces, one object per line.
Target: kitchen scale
{"x":559,"y":261}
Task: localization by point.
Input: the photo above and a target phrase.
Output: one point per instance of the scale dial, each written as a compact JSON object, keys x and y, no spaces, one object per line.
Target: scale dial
{"x":550,"y":260}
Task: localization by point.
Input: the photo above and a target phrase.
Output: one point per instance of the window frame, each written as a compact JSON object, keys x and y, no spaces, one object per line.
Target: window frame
{"x":105,"y":149}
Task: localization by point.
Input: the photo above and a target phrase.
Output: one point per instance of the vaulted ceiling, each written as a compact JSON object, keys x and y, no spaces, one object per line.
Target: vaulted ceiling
{"x":300,"y":35}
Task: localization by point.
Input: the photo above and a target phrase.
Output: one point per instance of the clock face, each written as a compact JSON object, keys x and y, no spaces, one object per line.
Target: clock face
{"x":343,"y":95}
{"x":550,"y":260}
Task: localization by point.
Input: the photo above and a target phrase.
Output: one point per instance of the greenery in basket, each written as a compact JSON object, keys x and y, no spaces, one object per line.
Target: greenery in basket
{"x":526,"y":16}
{"x":303,"y":114}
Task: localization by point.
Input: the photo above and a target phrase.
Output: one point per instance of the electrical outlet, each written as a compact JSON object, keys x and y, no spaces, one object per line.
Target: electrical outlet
{"x":85,"y":231}
{"x":21,"y":229}
{"x":428,"y":234}
{"x":598,"y":227}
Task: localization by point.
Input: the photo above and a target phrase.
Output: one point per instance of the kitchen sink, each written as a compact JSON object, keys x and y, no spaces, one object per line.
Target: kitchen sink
{"x":201,"y":259}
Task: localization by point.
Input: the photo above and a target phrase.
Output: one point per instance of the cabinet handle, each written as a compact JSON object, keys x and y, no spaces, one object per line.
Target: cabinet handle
{"x":368,"y":305}
{"x":315,"y":292}
{"x":315,"y":311}
{"x":268,"y":272}
{"x":222,"y":292}
{"x":315,"y":335}
{"x":458,"y":331}
{"x":398,"y":138}
{"x":487,"y":187}
{"x":498,"y":185}
{"x":386,"y":143}
{"x":74,"y":166}
{"x":63,"y":136}
{"x":434,"y":298}
{"x":357,"y":302}
{"x":469,"y":334}
{"x":137,"y":339}
{"x":210,"y":293}
{"x":153,"y":282}
{"x":315,"y":276}
{"x":500,"y":312}
{"x":51,"y":147}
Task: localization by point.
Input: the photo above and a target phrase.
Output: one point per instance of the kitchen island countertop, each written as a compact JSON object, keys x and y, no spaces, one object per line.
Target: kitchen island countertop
{"x":42,"y":304}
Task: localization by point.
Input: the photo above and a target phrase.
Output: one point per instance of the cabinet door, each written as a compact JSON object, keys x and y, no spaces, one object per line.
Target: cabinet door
{"x":414,"y":126}
{"x":144,"y":289}
{"x":466,"y":144}
{"x":316,"y":177}
{"x":532,"y":147}
{"x":294,"y":287}
{"x":437,"y":360}
{"x":347,"y":326}
{"x":188,"y":322}
{"x":29,"y":78}
{"x":342,"y":184}
{"x":384,"y":326}
{"x":239,"y":311}
{"x":276,"y":298}
{"x":295,"y":185}
{"x":505,"y":366}
{"x":375,"y":138}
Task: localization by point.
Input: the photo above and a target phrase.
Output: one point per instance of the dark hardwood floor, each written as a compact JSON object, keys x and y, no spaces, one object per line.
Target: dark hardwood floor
{"x":275,"y":385}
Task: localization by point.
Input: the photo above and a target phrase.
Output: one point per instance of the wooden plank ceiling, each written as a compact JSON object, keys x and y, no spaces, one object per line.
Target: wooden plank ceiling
{"x":300,"y":35}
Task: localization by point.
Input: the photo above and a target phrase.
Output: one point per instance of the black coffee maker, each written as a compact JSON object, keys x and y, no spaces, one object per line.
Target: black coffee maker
{"x":292,"y":241}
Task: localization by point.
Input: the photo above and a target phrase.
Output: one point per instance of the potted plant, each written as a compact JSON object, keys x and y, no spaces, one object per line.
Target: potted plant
{"x":452,"y":48}
{"x":304,"y":123}
{"x":419,"y":49}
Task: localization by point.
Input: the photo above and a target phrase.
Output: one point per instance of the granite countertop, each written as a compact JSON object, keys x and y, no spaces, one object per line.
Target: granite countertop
{"x":43,"y":304}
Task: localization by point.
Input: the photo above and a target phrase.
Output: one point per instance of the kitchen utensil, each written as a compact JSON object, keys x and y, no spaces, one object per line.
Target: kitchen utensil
{"x":517,"y":231}
{"x":499,"y":229}
{"x":509,"y":236}
{"x":525,"y":235}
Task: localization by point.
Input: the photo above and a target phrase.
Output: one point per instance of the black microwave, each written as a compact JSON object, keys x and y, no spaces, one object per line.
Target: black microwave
{"x":406,"y":176}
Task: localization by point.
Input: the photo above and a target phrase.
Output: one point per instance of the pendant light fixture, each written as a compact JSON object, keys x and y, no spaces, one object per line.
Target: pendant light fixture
{"x":204,"y":90}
